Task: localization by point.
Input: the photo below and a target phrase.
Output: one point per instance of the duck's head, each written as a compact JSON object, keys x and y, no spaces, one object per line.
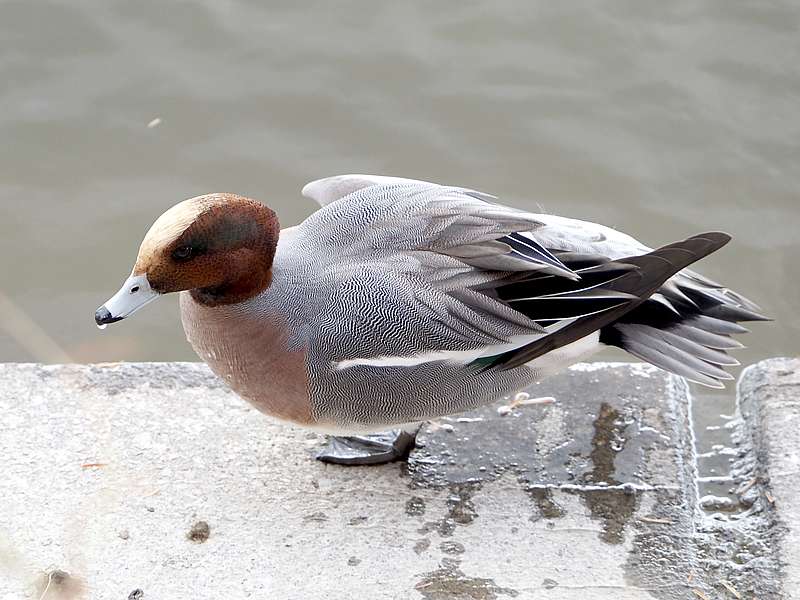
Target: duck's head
{"x":219,"y":246}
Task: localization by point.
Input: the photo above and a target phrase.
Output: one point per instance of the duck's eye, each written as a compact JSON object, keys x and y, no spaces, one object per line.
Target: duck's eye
{"x":182,"y":253}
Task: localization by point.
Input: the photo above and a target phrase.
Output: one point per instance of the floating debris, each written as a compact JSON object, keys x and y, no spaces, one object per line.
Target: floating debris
{"x":154,"y":123}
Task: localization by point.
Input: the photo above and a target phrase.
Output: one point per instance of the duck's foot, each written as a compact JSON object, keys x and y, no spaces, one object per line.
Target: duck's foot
{"x":372,"y":449}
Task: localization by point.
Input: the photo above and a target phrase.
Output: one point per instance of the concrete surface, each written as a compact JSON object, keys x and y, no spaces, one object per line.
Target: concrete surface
{"x":769,"y":398}
{"x":153,"y":481}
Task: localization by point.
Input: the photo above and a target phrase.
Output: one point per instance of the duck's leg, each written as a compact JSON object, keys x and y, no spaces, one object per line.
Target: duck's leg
{"x":370,"y":449}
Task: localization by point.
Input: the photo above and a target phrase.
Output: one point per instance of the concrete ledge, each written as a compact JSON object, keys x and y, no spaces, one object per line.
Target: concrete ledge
{"x":153,"y":481}
{"x":769,"y":398}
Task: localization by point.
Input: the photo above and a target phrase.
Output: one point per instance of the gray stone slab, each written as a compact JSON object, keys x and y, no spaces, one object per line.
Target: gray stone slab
{"x":769,"y":396}
{"x":155,"y":477}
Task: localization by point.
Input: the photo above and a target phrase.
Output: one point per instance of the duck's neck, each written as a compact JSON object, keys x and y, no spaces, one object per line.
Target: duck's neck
{"x":247,"y":277}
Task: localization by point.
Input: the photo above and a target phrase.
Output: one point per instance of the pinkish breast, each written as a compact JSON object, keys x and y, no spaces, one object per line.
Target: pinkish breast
{"x":249,"y":352}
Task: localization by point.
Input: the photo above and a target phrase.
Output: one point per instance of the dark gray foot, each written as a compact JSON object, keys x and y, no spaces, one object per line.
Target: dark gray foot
{"x":372,"y":449}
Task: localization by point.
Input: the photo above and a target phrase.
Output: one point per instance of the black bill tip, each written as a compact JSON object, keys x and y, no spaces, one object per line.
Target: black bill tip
{"x":102,"y":316}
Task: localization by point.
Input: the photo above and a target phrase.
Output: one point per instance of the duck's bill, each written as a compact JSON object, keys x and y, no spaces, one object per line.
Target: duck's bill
{"x":133,"y":295}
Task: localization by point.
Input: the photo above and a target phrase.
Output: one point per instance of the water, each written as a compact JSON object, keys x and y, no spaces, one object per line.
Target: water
{"x":661,"y":119}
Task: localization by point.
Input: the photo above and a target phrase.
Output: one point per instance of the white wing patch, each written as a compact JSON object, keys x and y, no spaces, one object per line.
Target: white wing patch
{"x":549,"y":363}
{"x":463,"y":357}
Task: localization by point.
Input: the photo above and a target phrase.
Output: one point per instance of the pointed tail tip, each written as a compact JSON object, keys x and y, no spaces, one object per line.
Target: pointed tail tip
{"x":718,"y":238}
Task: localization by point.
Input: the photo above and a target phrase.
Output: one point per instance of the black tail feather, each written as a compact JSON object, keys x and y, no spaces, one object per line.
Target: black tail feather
{"x":637,"y":277}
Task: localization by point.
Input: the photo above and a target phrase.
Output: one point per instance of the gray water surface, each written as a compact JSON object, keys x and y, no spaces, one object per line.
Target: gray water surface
{"x":663,"y":119}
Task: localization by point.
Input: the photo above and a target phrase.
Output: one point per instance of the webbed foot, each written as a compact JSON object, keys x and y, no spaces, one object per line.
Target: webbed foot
{"x":371,"y":449}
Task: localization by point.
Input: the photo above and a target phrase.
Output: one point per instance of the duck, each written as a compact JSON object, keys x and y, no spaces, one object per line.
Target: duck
{"x":401,"y":301}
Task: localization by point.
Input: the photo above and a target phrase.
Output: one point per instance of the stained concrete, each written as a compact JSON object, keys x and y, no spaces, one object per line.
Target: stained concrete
{"x":153,"y":481}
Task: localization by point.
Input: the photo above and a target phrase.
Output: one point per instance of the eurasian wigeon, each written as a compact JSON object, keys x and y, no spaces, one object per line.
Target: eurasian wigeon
{"x":400,"y":301}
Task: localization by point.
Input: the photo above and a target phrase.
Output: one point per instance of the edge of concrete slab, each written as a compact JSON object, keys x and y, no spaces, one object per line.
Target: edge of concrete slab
{"x":769,"y":405}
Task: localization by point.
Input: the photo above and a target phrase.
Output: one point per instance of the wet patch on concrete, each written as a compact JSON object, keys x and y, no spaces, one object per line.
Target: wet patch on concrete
{"x":596,"y":447}
{"x":613,"y":507}
{"x":460,"y":510}
{"x":626,"y":451}
{"x":570,"y":442}
{"x":450,"y":547}
{"x":415,"y":506}
{"x":449,"y":582}
{"x":546,"y":507}
{"x":422,"y":545}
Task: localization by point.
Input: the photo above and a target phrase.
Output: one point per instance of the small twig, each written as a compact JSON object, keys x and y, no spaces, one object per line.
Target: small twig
{"x":523,"y":399}
{"x":93,"y":465}
{"x":747,"y":486}
{"x":731,"y":589}
{"x":654,"y":520}
{"x":700,"y":595}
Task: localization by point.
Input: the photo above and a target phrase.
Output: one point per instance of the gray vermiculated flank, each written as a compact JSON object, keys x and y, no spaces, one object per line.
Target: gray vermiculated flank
{"x":406,"y":269}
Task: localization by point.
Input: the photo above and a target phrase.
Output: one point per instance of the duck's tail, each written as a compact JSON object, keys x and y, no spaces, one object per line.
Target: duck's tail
{"x":685,"y":328}
{"x":649,"y":305}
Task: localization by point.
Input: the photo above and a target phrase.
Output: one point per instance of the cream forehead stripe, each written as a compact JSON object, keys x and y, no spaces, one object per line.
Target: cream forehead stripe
{"x":171,"y":225}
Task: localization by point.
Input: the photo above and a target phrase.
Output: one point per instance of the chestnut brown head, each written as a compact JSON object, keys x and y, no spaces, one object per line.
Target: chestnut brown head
{"x":219,"y":246}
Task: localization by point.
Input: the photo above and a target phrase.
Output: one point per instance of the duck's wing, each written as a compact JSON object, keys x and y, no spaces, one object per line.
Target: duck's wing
{"x":330,"y":189}
{"x":399,"y":265}
{"x":471,"y":281}
{"x":388,"y":215}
